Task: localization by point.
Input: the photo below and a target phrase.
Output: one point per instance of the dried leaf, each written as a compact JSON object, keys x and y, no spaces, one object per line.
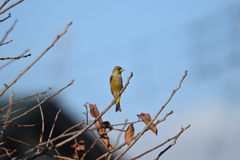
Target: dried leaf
{"x":129,"y":134}
{"x":146,"y":119}
{"x":107,"y":124}
{"x":80,"y":147}
{"x":103,"y":134}
{"x":94,"y":112}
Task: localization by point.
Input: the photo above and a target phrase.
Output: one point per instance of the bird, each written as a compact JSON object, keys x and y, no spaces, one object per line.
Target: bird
{"x":116,"y":84}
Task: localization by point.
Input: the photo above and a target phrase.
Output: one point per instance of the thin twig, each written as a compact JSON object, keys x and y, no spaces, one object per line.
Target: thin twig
{"x":85,"y":105}
{"x":99,"y":139}
{"x":117,"y":141}
{"x":89,"y":149}
{"x":4,"y":3}
{"x":6,"y":34}
{"x":154,"y":118}
{"x":21,"y":125}
{"x":119,"y":147}
{"x":78,"y":132}
{"x":59,"y":157}
{"x":1,"y":67}
{"x":164,"y":118}
{"x":72,"y":128}
{"x":126,"y":123}
{"x":13,"y":112}
{"x":11,"y":6}
{"x":96,"y":119}
{"x":6,"y":42}
{"x":40,"y":108}
{"x":9,"y":15}
{"x":21,"y":100}
{"x":47,"y":98}
{"x":168,"y":140}
{"x":28,"y":67}
{"x":76,"y":152}
{"x":5,"y":119}
{"x":50,"y":135}
{"x":22,"y":56}
{"x":173,"y":143}
{"x":8,"y":154}
{"x":19,"y":141}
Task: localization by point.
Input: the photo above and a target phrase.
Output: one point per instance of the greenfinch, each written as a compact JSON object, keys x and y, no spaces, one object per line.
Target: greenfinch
{"x":116,"y":84}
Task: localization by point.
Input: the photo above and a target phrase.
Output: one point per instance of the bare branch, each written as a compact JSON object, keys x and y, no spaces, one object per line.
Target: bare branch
{"x":85,"y":105}
{"x":13,"y":112}
{"x":40,"y":108}
{"x":47,"y":98}
{"x":6,"y":34}
{"x":146,"y":127}
{"x":117,"y":141}
{"x":88,"y":126}
{"x":11,"y":6}
{"x":6,"y":42}
{"x":59,"y":157}
{"x":21,"y":100}
{"x":119,"y":147}
{"x":26,"y":69}
{"x":4,"y":3}
{"x":173,"y":143}
{"x":22,"y":56}
{"x":9,"y":15}
{"x":8,"y":154}
{"x":1,"y":67}
{"x":5,"y":119}
{"x":168,"y":140}
{"x":50,"y":135}
{"x":37,"y":147}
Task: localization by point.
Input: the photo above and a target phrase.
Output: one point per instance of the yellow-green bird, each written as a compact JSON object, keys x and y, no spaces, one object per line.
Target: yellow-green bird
{"x":116,"y":84}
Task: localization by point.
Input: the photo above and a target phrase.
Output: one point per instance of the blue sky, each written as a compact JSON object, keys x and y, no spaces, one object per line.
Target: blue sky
{"x":157,"y":41}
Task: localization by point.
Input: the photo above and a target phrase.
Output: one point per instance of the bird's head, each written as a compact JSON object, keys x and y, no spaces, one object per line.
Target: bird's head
{"x":117,"y":70}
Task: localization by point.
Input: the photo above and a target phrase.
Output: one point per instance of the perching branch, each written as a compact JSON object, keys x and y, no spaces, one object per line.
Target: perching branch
{"x":88,"y":126}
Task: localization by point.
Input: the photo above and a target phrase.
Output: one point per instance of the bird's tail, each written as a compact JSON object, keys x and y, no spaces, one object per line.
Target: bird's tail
{"x":118,"y":108}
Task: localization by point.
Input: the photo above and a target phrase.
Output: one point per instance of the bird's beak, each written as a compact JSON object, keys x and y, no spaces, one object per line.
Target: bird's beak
{"x":122,"y":70}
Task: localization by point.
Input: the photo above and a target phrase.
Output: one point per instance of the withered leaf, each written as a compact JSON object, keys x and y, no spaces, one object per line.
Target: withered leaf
{"x":106,"y":124}
{"x":94,"y":112}
{"x":129,"y":134}
{"x":103,"y":134}
{"x":80,"y":147}
{"x":146,"y":119}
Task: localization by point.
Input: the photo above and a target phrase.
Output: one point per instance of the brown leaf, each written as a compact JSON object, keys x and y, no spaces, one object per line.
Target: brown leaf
{"x":106,"y":124}
{"x":80,"y":147}
{"x":103,"y":134}
{"x":94,"y":112}
{"x":146,"y":119}
{"x":129,"y":134}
